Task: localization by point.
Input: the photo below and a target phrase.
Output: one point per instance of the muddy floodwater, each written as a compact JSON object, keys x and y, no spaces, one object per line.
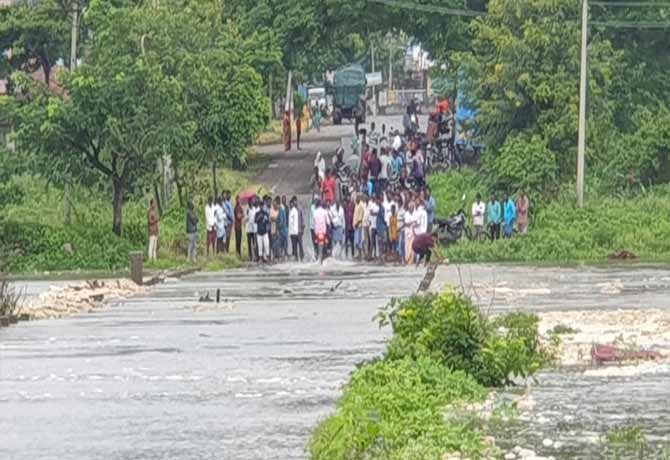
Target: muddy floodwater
{"x":165,"y":376}
{"x":572,"y":409}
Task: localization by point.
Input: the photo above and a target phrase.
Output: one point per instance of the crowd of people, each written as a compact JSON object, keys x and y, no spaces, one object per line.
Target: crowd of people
{"x":508,"y":216}
{"x":380,"y":210}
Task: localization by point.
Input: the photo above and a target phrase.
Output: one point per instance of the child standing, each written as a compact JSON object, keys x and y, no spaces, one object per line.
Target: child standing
{"x":394,"y":233}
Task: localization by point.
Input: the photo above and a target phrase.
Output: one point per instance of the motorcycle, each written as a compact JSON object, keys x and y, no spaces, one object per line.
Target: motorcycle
{"x":452,"y":229}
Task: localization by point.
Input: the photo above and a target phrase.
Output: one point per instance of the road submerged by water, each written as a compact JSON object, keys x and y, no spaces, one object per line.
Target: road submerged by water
{"x":164,"y":376}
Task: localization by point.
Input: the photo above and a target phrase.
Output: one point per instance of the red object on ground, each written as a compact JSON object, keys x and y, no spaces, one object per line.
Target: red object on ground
{"x":609,"y":353}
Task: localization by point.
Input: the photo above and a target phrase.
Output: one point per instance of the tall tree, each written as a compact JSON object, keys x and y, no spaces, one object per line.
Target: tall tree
{"x":37,"y":33}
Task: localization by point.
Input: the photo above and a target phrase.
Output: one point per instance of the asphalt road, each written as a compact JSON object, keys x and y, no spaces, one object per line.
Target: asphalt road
{"x":289,"y":172}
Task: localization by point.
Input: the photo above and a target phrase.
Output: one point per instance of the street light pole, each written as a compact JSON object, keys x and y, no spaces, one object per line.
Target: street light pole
{"x":581,"y":141}
{"x":73,"y":65}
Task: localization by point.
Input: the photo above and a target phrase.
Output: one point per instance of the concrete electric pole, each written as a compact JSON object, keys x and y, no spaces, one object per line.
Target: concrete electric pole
{"x":73,"y":65}
{"x":581,"y":140}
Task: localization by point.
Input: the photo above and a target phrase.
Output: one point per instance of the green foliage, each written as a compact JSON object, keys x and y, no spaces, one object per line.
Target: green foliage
{"x":37,"y":34}
{"x":561,"y":232}
{"x":173,"y":80}
{"x":10,"y":298}
{"x":627,"y":436}
{"x":395,"y":410}
{"x":33,"y":237}
{"x":525,"y":163}
{"x":560,"y":329}
{"x":451,"y":329}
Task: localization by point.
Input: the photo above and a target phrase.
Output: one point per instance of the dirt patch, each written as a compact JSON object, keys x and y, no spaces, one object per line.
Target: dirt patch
{"x":82,"y":297}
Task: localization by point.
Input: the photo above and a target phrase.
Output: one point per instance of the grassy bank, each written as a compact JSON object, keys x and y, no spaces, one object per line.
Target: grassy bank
{"x":34,"y":238}
{"x":559,"y":231}
{"x":409,"y":404}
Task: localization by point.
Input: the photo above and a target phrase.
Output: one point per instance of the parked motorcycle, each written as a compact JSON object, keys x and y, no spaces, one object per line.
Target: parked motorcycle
{"x":451,"y":230}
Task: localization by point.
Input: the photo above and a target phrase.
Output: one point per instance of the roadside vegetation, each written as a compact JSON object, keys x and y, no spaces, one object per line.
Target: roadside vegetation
{"x":407,"y":403}
{"x":612,"y":221}
{"x":33,"y":237}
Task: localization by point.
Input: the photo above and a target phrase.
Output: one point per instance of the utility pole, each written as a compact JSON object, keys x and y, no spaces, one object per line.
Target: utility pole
{"x":73,"y":65}
{"x":581,"y":141}
{"x":374,"y":87}
{"x":390,"y":69}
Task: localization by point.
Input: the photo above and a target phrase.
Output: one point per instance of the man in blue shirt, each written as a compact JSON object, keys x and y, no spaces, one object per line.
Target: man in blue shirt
{"x":510,"y":216}
{"x":430,"y":208}
{"x":230,"y":217}
{"x":494,"y":217}
{"x":382,"y":229}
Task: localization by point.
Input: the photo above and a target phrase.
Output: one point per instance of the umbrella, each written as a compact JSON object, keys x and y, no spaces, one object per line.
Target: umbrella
{"x":247,"y":196}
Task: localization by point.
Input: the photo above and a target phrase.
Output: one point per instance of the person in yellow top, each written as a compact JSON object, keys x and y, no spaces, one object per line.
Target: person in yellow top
{"x":306,"y":116}
{"x":359,"y":216}
{"x":394,"y":232}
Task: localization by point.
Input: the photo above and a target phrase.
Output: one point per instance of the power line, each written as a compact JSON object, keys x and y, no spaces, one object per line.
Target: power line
{"x":429,"y":8}
{"x":631,"y":25}
{"x":630,"y":4}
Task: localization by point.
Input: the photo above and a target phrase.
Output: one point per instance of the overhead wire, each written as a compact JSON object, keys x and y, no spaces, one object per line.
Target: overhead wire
{"x":430,"y":8}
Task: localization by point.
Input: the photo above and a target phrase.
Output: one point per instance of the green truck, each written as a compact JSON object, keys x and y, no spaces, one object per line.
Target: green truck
{"x":348,"y":92}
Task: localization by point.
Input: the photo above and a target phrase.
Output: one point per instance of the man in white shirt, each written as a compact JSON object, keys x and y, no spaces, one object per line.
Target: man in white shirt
{"x":383,"y":178}
{"x":373,"y":210}
{"x":421,"y":218}
{"x":337,"y":220}
{"x":294,"y":230}
{"x":250,"y":220}
{"x":210,"y":224}
{"x":478,"y":212}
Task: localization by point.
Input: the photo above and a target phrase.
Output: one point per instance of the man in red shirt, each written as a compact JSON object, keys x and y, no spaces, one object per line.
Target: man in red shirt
{"x":329,"y":187}
{"x":423,"y":245}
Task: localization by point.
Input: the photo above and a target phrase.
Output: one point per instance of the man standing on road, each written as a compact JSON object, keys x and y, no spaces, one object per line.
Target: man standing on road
{"x":478,"y":212}
{"x":349,"y":210}
{"x":312,"y":211}
{"x":321,"y":224}
{"x":329,"y":187}
{"x":192,"y":231}
{"x":153,"y":230}
{"x":230,"y":217}
{"x":210,"y":222}
{"x":262,"y":220}
{"x":375,"y":171}
{"x":385,"y":171}
{"x":251,"y":230}
{"x":294,"y":230}
{"x":381,"y":229}
{"x":494,"y":217}
{"x":239,"y":218}
{"x":286,"y":124}
{"x":359,"y":215}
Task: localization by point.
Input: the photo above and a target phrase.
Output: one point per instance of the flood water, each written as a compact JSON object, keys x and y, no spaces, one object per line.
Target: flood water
{"x":574,"y":409}
{"x":165,"y":377}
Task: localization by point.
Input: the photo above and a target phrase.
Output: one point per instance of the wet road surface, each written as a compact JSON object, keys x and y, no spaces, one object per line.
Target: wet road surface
{"x":166,"y":377}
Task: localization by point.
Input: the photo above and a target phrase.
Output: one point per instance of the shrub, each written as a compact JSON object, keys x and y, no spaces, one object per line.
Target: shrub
{"x":395,"y":410}
{"x":451,"y":329}
{"x":9,"y":298}
{"x":525,"y":163}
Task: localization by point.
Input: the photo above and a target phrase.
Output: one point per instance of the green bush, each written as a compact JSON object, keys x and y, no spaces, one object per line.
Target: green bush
{"x":451,"y":329}
{"x":525,"y":163}
{"x":394,"y":410}
{"x":561,"y":232}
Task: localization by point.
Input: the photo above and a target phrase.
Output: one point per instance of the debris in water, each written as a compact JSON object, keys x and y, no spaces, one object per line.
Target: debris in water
{"x":622,"y":255}
{"x":206,"y":298}
{"x":601,"y":354}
